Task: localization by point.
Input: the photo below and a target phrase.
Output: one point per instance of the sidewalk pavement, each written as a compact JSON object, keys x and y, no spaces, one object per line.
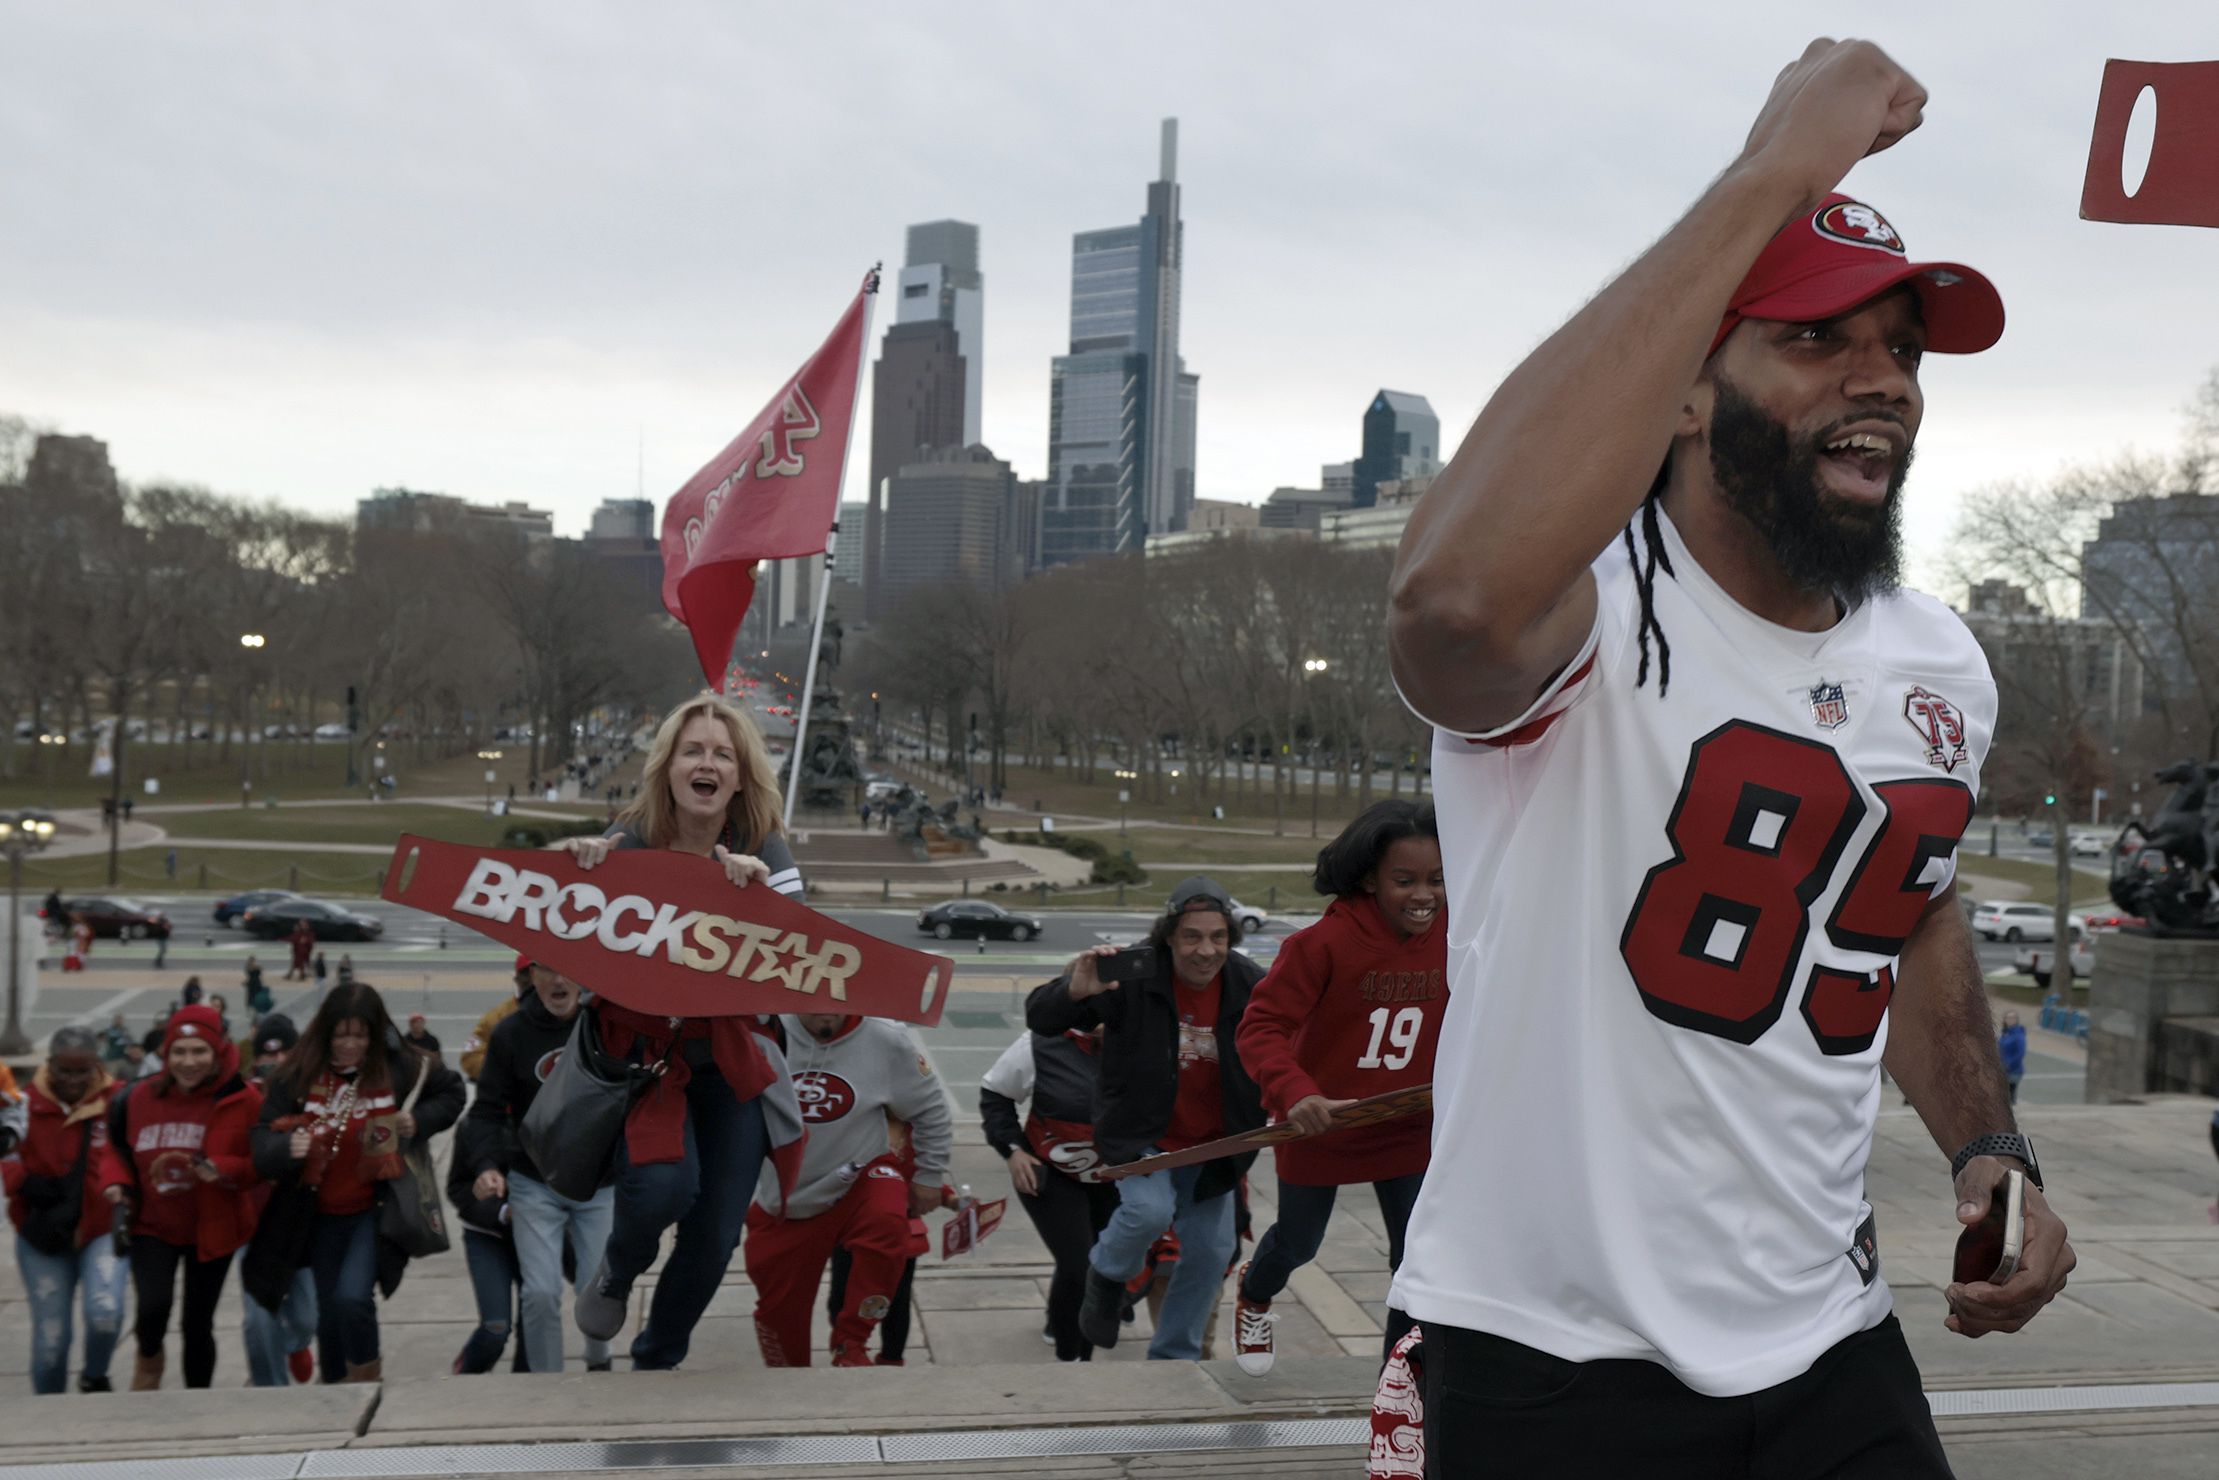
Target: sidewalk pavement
{"x":2134,"y":1182}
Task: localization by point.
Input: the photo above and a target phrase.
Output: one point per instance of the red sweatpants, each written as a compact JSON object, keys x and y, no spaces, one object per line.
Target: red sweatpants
{"x":786,"y":1260}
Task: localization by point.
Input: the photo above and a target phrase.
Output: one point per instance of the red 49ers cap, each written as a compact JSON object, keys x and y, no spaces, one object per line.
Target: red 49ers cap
{"x":1845,"y":253}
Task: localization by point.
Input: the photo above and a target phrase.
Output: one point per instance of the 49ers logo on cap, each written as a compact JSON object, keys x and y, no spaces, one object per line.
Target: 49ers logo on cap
{"x":822,"y":1096}
{"x":1858,"y":224}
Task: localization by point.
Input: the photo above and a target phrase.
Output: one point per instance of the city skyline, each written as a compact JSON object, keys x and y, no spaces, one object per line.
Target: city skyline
{"x":449,"y":276}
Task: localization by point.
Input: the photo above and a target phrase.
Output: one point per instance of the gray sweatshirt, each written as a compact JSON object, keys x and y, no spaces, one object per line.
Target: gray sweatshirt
{"x":847,"y":1088}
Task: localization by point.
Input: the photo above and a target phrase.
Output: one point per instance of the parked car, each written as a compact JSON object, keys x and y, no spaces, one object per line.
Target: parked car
{"x":1249,"y":918}
{"x":2013,"y":921}
{"x":2103,"y":922}
{"x":2090,"y":845}
{"x":230,"y":909}
{"x":976,"y":918}
{"x":331,"y":732}
{"x":2039,"y":961}
{"x":275,"y":920}
{"x":114,"y":918}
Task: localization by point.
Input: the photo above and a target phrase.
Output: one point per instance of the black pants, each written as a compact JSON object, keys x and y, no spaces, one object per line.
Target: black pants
{"x":1069,"y":1214}
{"x":1494,"y":1408}
{"x":893,"y":1327}
{"x":154,"y":1280}
{"x":1294,"y":1240}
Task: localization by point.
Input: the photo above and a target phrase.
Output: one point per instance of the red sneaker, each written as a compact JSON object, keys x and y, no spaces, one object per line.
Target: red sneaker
{"x":302,"y":1364}
{"x":1252,"y":1323}
{"x":847,"y":1354}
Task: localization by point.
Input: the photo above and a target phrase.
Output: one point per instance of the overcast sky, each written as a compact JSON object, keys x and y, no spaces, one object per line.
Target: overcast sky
{"x":300,"y":251}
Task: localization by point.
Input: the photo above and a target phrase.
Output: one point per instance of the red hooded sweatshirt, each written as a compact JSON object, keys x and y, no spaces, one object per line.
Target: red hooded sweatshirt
{"x":157,"y":1133}
{"x":51,"y":1143}
{"x":1349,"y":1009}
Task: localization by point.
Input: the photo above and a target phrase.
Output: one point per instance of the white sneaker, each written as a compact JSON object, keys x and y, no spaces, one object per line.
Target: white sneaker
{"x":1252,"y":1323}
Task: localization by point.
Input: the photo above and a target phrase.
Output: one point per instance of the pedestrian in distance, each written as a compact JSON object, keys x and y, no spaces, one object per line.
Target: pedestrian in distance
{"x":1702,"y":767}
{"x":1351,"y":1008}
{"x":80,"y":943}
{"x":221,"y":1009}
{"x":2011,"y":1047}
{"x":333,"y":1129}
{"x":1049,"y":1148}
{"x":176,"y":1161}
{"x":114,"y":1039}
{"x":303,"y":944}
{"x":64,"y":1248}
{"x":1170,"y":1079}
{"x":849,"y":1075}
{"x":523,"y":1051}
{"x":320,"y":970}
{"x":280,"y":1343}
{"x":694,"y":1143}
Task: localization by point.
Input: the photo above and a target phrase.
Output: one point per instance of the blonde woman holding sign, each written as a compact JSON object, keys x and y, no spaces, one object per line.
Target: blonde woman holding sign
{"x":695,"y":1143}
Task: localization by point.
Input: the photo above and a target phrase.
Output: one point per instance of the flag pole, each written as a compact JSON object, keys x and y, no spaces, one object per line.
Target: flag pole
{"x":831,"y":546}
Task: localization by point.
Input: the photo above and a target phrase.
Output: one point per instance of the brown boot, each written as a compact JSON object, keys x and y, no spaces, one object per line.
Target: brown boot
{"x":370,"y":1371}
{"x":147,"y":1375}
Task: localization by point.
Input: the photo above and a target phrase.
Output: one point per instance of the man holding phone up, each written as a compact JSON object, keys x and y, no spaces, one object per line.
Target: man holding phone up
{"x":1170,"y":1078}
{"x":1701,"y":769}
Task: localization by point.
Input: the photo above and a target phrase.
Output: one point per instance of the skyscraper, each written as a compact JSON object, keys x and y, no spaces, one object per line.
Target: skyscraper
{"x":1402,"y":439}
{"x":941,"y":283}
{"x":1121,"y":405}
{"x":925,"y":388}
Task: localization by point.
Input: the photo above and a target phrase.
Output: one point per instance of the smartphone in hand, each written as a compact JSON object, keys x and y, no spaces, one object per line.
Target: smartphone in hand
{"x":1134,"y":964}
{"x":1988,"y":1251}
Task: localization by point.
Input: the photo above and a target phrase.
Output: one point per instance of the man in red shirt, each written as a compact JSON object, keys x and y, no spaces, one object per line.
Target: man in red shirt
{"x":1170,"y":1079}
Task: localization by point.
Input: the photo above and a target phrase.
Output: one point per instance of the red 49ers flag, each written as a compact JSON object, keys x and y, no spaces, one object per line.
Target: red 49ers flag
{"x":771,"y":495}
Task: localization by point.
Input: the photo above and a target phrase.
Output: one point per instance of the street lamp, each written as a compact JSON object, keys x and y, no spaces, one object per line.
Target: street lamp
{"x":1313,"y":668}
{"x":489,"y":757}
{"x":20,"y":833}
{"x":1124,"y":796}
{"x":253,"y":642}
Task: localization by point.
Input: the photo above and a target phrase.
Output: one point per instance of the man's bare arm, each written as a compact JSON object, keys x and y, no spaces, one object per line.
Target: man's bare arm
{"x":1942,"y":1054}
{"x":1491,"y":595}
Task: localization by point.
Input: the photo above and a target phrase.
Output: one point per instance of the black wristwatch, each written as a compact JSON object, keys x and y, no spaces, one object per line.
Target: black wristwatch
{"x":1999,"y":1143}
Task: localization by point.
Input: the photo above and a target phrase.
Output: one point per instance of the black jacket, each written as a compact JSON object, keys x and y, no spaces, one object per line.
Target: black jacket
{"x":1063,"y":1078}
{"x":517,"y":1058}
{"x":1138,"y":1078}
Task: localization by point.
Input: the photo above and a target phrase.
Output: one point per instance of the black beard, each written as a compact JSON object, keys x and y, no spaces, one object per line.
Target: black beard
{"x":1823,"y":543}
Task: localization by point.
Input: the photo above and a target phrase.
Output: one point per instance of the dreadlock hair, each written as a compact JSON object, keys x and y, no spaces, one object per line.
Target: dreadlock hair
{"x":1645,"y":578}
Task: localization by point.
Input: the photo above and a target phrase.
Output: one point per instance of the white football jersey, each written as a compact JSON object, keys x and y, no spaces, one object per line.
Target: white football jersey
{"x":1674,"y":920}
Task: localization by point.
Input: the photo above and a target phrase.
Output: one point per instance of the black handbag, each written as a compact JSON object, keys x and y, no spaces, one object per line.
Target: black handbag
{"x":575,"y":1121}
{"x":409,"y":1215}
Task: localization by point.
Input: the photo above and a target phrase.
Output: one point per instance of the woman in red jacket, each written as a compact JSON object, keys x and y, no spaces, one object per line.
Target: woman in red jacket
{"x":177,"y":1156}
{"x":337,"y":1120}
{"x":62,"y":1243}
{"x":1351,"y":1008}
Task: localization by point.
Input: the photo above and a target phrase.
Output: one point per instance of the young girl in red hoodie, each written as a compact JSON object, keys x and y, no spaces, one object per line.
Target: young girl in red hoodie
{"x":177,"y":1156}
{"x":1351,"y":1008}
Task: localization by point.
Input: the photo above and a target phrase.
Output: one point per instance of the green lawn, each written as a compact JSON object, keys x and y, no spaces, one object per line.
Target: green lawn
{"x":1063,"y":794}
{"x":381,"y":824}
{"x":222,"y":869}
{"x":294,"y":771}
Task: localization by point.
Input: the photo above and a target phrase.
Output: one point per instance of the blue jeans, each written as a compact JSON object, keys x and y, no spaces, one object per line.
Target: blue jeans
{"x":98,"y":1279}
{"x":540,"y":1218}
{"x":272,"y":1336}
{"x":1146,"y":1206}
{"x":343,"y":1252}
{"x":492,"y":1265}
{"x":725,"y":1136}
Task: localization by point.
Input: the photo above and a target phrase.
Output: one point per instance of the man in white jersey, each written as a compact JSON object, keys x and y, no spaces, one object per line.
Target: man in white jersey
{"x":1701,"y":769}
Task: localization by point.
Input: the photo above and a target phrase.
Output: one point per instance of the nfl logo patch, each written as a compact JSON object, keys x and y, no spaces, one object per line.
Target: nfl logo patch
{"x":1829,"y":706}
